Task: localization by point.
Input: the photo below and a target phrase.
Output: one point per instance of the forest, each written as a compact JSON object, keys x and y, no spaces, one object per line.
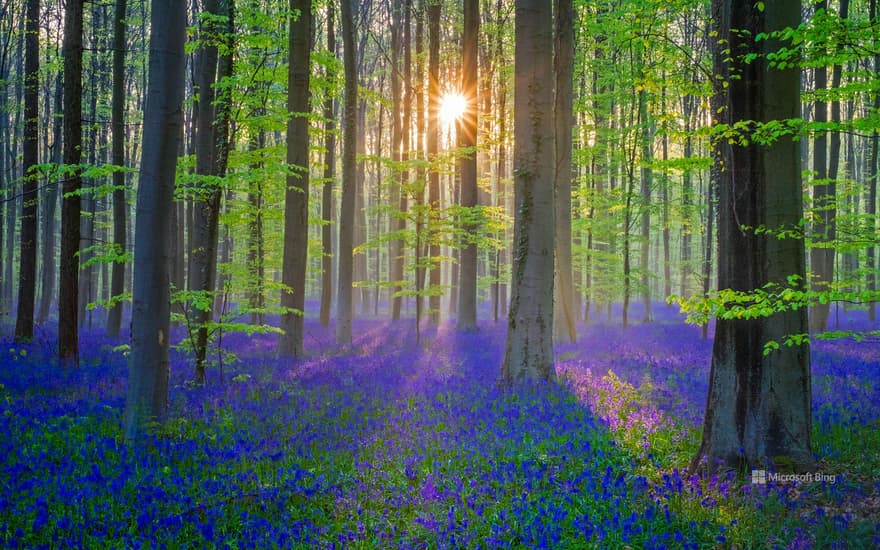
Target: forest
{"x":439,"y":274}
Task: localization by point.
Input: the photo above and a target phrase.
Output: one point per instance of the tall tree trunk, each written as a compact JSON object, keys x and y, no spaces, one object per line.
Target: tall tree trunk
{"x":467,"y":166}
{"x":148,"y":364}
{"x":821,"y":257}
{"x":327,"y":189}
{"x":528,"y":353}
{"x":211,"y":137}
{"x":50,"y":208}
{"x":296,"y":216}
{"x":68,"y":349}
{"x":27,"y":277}
{"x":758,"y":407}
{"x":872,"y":175}
{"x":395,"y":251}
{"x":431,"y":149}
{"x":647,"y":183}
{"x":117,"y":115}
{"x":349,"y":178}
{"x":825,"y":199}
{"x":563,"y":62}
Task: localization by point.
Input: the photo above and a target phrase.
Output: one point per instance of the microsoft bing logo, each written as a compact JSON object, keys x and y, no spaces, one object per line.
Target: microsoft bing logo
{"x":759,"y":477}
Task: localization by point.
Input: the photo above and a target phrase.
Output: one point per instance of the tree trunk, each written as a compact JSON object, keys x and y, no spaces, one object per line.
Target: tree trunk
{"x":211,"y":155}
{"x":528,"y":353}
{"x":349,"y":179}
{"x":70,"y":204}
{"x":758,"y":407}
{"x":467,"y":166}
{"x":117,"y":115}
{"x":873,"y":174}
{"x":296,"y":216}
{"x":148,"y":365}
{"x":50,"y":208}
{"x":327,"y":189}
{"x":647,"y":183}
{"x":563,"y":62}
{"x":27,"y":277}
{"x":431,"y":148}
{"x":395,"y":248}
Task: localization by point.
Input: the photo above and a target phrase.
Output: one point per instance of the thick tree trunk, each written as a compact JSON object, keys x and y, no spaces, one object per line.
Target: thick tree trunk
{"x":27,"y":275}
{"x":327,"y":189}
{"x":148,"y":365}
{"x":433,"y":15}
{"x":117,"y":115}
{"x":528,"y":353}
{"x":349,"y":178}
{"x":68,"y":349}
{"x":758,"y":407}
{"x":564,"y":313}
{"x":296,"y":216}
{"x":467,"y":166}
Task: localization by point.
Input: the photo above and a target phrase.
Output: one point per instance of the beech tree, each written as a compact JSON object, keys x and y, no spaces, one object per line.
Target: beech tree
{"x":528,"y":351}
{"x":565,"y":314}
{"x":467,"y":166}
{"x":117,"y":121}
{"x":296,"y":218}
{"x":68,"y":348}
{"x":758,"y":407}
{"x":148,"y":366}
{"x":27,"y":273}
{"x":349,"y":178}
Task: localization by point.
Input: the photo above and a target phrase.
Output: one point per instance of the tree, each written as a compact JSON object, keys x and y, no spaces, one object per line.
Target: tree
{"x":432,"y":13}
{"x":68,"y":348}
{"x":467,"y":166}
{"x":758,"y":407}
{"x":563,"y":63}
{"x":27,"y":274}
{"x":528,"y":352}
{"x":296,"y":215}
{"x":349,"y":178}
{"x":327,"y":190}
{"x":210,"y":141}
{"x":148,"y":365}
{"x":117,"y":116}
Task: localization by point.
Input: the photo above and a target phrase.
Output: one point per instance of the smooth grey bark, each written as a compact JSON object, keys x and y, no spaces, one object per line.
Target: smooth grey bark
{"x":528,"y":353}
{"x":117,"y":121}
{"x":349,"y":178}
{"x":329,"y":176}
{"x":27,"y":274}
{"x":758,"y":406}
{"x":68,"y":288}
{"x":148,"y":364}
{"x":296,"y":210}
{"x":564,"y":313}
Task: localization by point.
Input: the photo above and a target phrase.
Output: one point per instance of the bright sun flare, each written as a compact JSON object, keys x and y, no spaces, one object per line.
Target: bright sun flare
{"x":452,"y":106}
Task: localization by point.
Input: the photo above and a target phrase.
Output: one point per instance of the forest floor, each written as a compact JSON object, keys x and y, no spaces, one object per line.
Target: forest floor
{"x":394,"y":443}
